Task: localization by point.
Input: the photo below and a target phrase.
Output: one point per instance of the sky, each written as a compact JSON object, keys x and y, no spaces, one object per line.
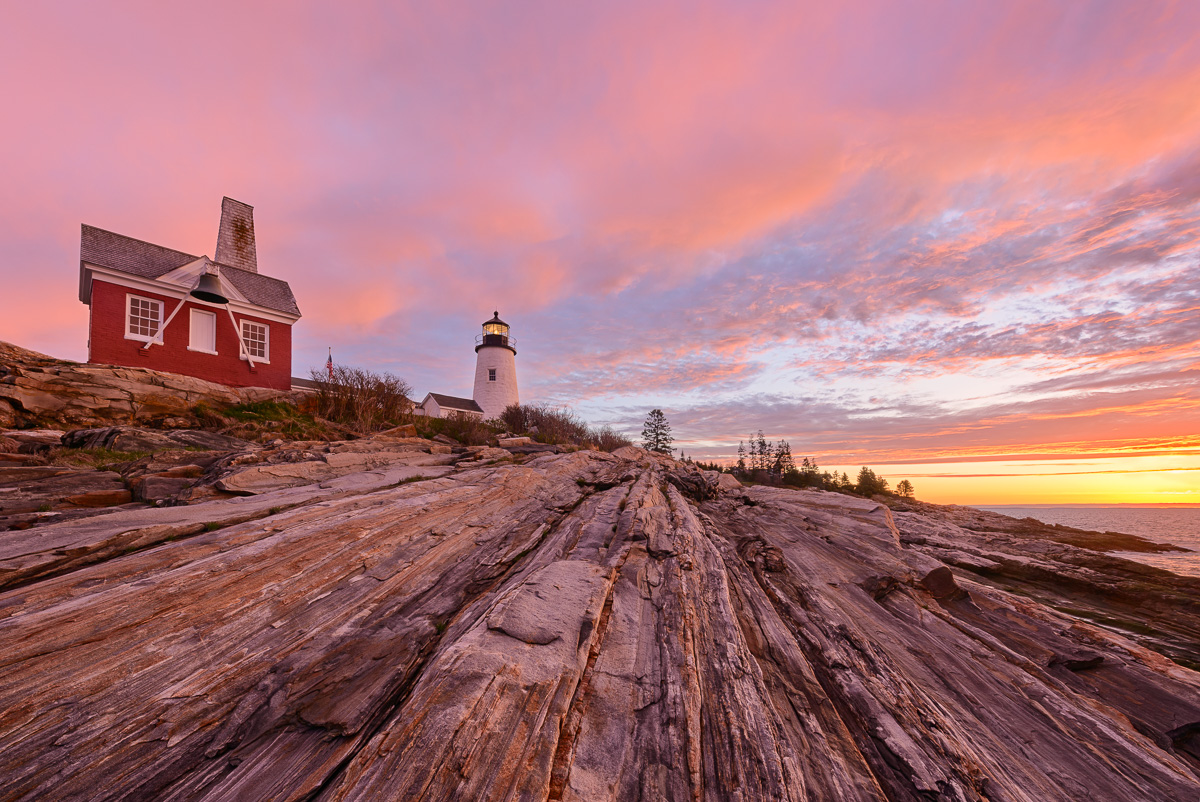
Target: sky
{"x":955,"y":241}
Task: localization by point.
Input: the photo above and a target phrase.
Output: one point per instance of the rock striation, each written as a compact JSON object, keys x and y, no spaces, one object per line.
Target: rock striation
{"x":35,"y":388}
{"x":581,"y":626}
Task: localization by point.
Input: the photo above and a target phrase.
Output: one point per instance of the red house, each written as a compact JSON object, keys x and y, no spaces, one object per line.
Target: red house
{"x":220,"y":320}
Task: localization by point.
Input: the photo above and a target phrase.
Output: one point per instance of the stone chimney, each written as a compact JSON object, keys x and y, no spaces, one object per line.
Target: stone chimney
{"x":235,"y":239}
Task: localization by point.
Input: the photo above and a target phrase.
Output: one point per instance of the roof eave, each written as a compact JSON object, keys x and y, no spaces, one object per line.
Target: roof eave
{"x":175,"y":291}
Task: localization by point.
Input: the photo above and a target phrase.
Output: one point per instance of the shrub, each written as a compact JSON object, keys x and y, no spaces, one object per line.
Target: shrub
{"x":470,"y":430}
{"x":559,"y":426}
{"x":545,"y":423}
{"x":515,"y":418}
{"x":361,"y":399}
{"x":606,"y":439}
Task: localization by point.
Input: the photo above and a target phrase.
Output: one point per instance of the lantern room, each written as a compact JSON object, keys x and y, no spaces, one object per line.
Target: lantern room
{"x":495,"y":334}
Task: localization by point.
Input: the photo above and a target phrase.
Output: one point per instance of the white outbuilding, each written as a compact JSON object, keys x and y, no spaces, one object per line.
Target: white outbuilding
{"x":437,"y":405}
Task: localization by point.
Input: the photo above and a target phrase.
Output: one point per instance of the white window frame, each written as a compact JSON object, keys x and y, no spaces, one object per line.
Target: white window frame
{"x":191,"y":319}
{"x":265,"y":359}
{"x":130,"y":335}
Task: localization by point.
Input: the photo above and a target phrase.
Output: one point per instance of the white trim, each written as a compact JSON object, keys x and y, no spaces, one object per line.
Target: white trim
{"x":187,"y":276}
{"x":143,"y":338}
{"x":237,"y":329}
{"x":192,"y":329}
{"x":174,"y":291}
{"x":265,"y":359}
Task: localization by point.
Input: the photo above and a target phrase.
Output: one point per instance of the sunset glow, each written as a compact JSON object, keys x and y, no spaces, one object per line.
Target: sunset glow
{"x":955,"y":241}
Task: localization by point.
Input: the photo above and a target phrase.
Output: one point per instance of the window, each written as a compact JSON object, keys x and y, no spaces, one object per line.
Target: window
{"x":145,"y":318}
{"x":256,"y":337}
{"x":203,"y":332}
{"x":491,"y":374}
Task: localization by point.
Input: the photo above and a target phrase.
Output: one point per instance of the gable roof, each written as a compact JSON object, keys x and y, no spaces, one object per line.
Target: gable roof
{"x":147,"y":260}
{"x":129,"y":255}
{"x":453,"y":402}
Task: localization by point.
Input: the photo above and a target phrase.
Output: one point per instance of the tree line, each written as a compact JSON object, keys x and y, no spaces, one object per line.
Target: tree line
{"x":767,"y":462}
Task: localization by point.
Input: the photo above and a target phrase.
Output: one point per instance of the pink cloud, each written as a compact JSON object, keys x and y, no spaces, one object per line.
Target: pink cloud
{"x":665,"y":199}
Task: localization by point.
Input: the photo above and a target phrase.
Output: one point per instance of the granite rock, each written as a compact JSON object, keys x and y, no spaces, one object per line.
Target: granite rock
{"x":573,"y":627}
{"x":40,"y":389}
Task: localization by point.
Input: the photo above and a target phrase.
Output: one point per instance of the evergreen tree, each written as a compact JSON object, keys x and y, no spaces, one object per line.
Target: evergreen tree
{"x":741,"y":463}
{"x":656,"y":433}
{"x":810,"y":474}
{"x":784,"y":464}
{"x":905,"y":488}
{"x":869,"y":484}
{"x":764,"y":452}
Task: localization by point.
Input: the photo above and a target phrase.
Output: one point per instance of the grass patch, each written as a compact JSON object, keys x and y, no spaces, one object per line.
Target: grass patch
{"x":211,"y":526}
{"x":465,"y":429}
{"x":266,"y":420}
{"x":263,"y":411}
{"x":92,"y":457}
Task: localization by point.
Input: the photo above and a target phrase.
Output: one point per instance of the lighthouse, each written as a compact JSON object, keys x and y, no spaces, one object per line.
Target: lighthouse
{"x":495,"y":368}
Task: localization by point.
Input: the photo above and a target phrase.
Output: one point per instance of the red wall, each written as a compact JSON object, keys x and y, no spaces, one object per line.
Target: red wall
{"x":108,"y":345}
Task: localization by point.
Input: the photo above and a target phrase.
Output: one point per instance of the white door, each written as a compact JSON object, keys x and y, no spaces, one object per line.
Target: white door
{"x":204,"y":331}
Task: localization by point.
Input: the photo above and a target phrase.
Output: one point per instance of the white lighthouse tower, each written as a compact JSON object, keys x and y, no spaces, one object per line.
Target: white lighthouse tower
{"x":495,"y":368}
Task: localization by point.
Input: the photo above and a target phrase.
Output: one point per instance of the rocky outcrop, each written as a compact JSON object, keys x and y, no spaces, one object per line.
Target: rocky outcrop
{"x":576,"y":626}
{"x":190,"y":466}
{"x":38,"y":389}
{"x":1047,"y":563}
{"x":129,"y":438}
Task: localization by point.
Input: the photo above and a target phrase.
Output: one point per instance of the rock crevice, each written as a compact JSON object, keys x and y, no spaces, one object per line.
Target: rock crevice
{"x":577,"y":627}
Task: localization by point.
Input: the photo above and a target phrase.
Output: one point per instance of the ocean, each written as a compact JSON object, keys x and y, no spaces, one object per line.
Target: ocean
{"x":1179,"y":525}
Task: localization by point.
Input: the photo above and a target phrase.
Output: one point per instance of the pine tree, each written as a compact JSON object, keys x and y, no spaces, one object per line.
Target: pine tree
{"x":869,"y":484}
{"x":784,"y":464}
{"x":656,"y":433}
{"x":741,"y":463}
{"x":905,"y":488}
{"x":811,"y":476}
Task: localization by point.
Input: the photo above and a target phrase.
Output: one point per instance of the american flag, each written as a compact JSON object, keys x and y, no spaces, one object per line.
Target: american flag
{"x":329,"y":362}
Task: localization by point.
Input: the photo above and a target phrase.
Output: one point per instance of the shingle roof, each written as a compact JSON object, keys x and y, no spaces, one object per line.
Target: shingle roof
{"x":452,"y":402}
{"x":262,"y":290}
{"x":128,"y":255}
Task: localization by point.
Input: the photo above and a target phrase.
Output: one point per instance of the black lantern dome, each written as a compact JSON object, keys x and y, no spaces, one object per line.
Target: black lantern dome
{"x":495,"y":333}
